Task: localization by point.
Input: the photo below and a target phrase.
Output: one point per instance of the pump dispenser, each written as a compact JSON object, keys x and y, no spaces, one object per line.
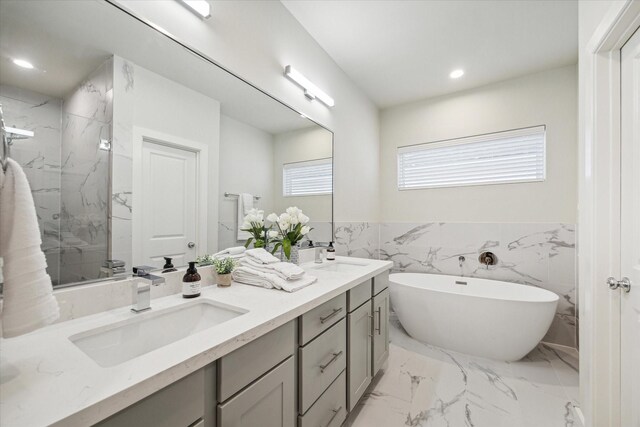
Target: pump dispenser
{"x":331,"y":252}
{"x":191,"y":282}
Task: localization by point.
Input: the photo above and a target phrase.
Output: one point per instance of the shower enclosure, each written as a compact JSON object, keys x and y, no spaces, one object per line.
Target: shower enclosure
{"x":66,"y":160}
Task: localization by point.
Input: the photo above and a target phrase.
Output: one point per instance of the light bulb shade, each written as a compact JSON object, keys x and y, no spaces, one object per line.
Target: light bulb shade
{"x":311,"y":91}
{"x":201,"y":7}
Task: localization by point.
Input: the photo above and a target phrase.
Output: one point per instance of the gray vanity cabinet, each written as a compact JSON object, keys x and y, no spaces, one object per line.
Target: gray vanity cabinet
{"x":380,"y":330}
{"x":267,"y":402}
{"x":181,"y":404}
{"x":359,"y":354}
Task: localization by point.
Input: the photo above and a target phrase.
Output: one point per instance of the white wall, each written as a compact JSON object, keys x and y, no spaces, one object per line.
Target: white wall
{"x":246,"y":166}
{"x":165,"y":106}
{"x":256,"y":39}
{"x":546,"y":98}
{"x":297,"y":146}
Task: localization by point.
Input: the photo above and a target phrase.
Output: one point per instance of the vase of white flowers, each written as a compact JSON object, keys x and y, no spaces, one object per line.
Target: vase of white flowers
{"x":291,"y":229}
{"x":254,"y":225}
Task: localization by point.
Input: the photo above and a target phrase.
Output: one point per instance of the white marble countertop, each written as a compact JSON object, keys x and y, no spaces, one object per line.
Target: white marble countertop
{"x":47,"y":380}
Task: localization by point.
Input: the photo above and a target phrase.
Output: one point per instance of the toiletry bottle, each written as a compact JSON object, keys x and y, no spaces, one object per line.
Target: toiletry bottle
{"x":168,"y":266}
{"x":191,"y":282}
{"x":331,"y":252}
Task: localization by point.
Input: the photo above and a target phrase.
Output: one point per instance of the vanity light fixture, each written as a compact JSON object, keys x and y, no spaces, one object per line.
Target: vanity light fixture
{"x":24,"y":64}
{"x":201,"y":7}
{"x":456,"y":74}
{"x":311,"y":91}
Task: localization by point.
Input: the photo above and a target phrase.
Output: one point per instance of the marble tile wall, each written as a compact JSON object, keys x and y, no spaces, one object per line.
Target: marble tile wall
{"x":535,"y":254}
{"x":87,"y":118}
{"x":122,"y":161}
{"x":40,"y":159}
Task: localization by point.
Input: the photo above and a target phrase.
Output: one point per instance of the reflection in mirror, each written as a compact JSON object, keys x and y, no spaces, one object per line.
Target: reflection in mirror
{"x":137,"y":139}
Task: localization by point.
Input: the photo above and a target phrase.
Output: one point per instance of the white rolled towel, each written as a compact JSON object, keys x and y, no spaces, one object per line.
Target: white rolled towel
{"x":261,"y":256}
{"x":28,"y":303}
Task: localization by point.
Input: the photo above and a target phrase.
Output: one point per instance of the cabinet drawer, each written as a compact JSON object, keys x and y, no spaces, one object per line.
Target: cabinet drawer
{"x":380,"y":282}
{"x":359,"y":295}
{"x":268,"y":402}
{"x":320,"y":362}
{"x":179,"y":404}
{"x":240,"y":367}
{"x":331,"y":409}
{"x":313,"y":322}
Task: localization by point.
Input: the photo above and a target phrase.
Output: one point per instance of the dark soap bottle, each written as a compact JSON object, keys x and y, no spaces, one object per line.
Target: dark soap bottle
{"x":191,"y":282}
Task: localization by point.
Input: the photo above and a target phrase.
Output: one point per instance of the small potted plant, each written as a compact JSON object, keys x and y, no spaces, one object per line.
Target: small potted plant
{"x":204,"y":260}
{"x":224,"y":267}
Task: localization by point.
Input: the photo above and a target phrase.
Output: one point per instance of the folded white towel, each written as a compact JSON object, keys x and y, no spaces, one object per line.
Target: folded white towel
{"x":286,"y":270}
{"x":245,"y":204}
{"x":261,"y":256}
{"x":255,"y":277}
{"x":223,"y":256}
{"x":236,"y":250}
{"x":29,"y":303}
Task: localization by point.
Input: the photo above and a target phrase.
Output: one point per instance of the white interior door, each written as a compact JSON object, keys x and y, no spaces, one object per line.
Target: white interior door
{"x":630,"y":231}
{"x":168,"y":204}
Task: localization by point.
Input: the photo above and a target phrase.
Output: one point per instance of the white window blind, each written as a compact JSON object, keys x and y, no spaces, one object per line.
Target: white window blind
{"x":497,"y":158}
{"x":307,"y":178}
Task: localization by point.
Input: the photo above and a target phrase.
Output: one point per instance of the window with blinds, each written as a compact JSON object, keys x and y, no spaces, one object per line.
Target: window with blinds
{"x":497,"y":158}
{"x":307,"y":178}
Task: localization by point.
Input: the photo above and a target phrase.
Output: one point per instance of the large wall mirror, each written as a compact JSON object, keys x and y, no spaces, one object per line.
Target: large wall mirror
{"x":141,"y":147}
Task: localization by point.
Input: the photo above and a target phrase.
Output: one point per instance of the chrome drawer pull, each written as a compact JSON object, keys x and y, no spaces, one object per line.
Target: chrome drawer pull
{"x":379,"y":328}
{"x":333,"y":359}
{"x":335,"y":412}
{"x":335,"y":311}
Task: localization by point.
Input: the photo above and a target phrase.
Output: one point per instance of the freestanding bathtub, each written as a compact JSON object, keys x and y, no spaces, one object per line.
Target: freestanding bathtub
{"x":480,"y":317}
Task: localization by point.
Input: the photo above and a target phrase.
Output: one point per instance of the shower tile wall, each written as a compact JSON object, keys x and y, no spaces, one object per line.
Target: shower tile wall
{"x":542,"y":255}
{"x":40,"y":159}
{"x":122,"y":162}
{"x":87,"y":118}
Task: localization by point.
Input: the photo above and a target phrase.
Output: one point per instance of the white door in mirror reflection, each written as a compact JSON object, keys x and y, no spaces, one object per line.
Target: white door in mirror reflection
{"x":168,"y":203}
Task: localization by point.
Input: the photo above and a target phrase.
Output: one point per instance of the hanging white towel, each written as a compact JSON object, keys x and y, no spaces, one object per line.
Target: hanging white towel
{"x":28,"y":303}
{"x":245,"y":204}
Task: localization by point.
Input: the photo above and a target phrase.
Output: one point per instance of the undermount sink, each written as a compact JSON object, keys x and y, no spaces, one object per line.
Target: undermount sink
{"x":119,"y":342}
{"x":339,"y":266}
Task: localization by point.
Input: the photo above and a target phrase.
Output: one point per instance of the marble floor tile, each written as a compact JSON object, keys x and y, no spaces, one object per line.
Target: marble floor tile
{"x":426,"y":386}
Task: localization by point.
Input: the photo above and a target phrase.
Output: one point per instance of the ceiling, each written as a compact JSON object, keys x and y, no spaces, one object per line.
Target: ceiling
{"x":402,"y":51}
{"x":66,"y":43}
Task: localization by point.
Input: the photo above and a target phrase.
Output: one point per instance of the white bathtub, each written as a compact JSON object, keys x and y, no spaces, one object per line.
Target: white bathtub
{"x":486,"y":318}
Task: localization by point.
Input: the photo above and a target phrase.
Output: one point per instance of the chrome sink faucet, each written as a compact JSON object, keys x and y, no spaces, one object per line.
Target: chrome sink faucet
{"x":141,"y":290}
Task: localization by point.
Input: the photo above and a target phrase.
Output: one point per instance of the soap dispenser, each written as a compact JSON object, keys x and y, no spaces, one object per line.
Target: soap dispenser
{"x":331,"y":252}
{"x":191,"y":282}
{"x":168,"y":266}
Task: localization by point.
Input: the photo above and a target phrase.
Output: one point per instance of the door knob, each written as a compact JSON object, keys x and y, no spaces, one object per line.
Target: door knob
{"x":614,"y":284}
{"x":191,"y":245}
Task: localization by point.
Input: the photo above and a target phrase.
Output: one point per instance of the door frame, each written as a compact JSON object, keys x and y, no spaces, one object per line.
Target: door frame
{"x":599,"y":215}
{"x":201,"y":150}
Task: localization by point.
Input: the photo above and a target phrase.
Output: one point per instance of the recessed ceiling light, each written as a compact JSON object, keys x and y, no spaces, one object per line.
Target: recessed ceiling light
{"x":456,"y":74}
{"x":24,"y":64}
